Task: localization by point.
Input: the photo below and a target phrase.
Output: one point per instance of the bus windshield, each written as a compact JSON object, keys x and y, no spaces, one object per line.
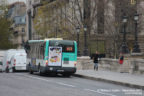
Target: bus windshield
{"x":67,"y":46}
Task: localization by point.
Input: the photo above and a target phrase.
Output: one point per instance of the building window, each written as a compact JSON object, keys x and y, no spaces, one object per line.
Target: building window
{"x":23,"y":30}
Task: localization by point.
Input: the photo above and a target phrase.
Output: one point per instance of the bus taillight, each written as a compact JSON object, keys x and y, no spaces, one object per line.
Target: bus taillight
{"x":7,"y":62}
{"x":75,"y":63}
{"x":46,"y":62}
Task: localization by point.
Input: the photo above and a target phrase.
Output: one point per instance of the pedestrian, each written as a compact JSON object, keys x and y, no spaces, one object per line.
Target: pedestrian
{"x":95,"y":60}
{"x":121,"y":61}
{"x":121,"y":58}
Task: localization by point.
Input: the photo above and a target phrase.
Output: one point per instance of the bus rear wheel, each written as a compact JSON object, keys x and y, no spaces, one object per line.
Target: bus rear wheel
{"x":39,"y":71}
{"x":30,"y":71}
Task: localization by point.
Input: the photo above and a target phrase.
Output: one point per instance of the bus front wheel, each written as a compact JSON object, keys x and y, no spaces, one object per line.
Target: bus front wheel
{"x":30,"y":71}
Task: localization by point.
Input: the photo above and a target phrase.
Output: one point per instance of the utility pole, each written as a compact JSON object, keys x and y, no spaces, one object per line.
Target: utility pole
{"x":29,"y":25}
{"x":124,"y":47}
{"x":136,"y":48}
{"x":29,"y":12}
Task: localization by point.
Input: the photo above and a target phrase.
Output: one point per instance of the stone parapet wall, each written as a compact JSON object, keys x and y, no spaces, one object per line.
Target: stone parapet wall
{"x":84,"y":63}
{"x":130,"y":65}
{"x":109,"y":64}
{"x":137,"y":65}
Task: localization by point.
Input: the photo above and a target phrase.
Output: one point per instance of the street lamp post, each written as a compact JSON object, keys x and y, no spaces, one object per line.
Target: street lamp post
{"x":85,"y":52}
{"x":23,"y":30}
{"x":124,"y":48}
{"x":29,"y":25}
{"x":136,"y":46}
{"x":78,"y":31}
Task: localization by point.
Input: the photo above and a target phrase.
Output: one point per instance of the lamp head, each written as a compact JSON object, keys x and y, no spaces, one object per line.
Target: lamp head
{"x":136,"y":17}
{"x":78,"y":29}
{"x":124,"y":19}
{"x":85,"y":28}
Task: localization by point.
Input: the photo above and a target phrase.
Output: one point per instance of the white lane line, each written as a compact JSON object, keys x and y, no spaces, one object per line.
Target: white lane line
{"x":60,"y":83}
{"x":65,"y":84}
{"x":38,"y":78}
{"x":99,"y":92}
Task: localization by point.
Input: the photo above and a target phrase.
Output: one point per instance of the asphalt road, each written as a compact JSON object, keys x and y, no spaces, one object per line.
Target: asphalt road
{"x":25,"y":84}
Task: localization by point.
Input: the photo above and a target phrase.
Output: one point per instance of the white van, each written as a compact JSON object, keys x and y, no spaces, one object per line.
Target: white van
{"x":8,"y":55}
{"x":6,"y":60}
{"x":18,"y":61}
{"x":2,"y":53}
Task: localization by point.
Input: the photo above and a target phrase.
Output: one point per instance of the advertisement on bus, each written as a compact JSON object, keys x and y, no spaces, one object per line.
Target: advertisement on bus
{"x":55,"y":54}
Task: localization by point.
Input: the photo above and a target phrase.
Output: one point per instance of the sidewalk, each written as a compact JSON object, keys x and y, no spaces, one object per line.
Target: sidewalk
{"x":126,"y":79}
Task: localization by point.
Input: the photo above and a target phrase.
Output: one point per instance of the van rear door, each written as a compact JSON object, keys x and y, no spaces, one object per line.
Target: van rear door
{"x":20,"y":61}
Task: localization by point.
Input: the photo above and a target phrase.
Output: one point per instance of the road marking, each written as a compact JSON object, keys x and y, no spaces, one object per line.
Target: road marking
{"x":99,"y":92}
{"x":65,"y":84}
{"x":38,"y":78}
{"x":50,"y":80}
{"x":68,"y":85}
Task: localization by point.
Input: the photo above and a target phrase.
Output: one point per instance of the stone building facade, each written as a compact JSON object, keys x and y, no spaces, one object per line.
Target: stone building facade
{"x":103,"y":19}
{"x":17,"y":13}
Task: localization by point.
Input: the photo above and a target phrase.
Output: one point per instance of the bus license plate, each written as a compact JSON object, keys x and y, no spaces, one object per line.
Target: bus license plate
{"x":51,"y":68}
{"x":60,"y":70}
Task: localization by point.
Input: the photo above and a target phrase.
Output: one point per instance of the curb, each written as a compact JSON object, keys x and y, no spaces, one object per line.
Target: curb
{"x":110,"y":81}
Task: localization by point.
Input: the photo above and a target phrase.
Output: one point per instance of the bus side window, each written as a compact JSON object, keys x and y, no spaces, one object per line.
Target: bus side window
{"x":30,"y":51}
{"x":44,"y":50}
{"x":36,"y":51}
{"x":41,"y":51}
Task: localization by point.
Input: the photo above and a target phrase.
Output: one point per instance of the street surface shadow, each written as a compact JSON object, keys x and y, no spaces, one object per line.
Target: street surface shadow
{"x":54,"y":75}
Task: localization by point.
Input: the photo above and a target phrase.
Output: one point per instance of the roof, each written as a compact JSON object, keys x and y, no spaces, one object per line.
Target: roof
{"x":17,"y":3}
{"x":16,"y":9}
{"x":53,"y":39}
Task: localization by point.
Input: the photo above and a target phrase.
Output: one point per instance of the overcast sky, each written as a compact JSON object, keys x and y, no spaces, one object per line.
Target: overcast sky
{"x":11,"y":1}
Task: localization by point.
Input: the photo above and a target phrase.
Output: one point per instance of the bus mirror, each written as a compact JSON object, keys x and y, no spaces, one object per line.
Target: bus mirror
{"x":27,"y":47}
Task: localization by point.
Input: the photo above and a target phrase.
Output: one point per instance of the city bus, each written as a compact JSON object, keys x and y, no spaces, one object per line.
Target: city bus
{"x":52,"y":56}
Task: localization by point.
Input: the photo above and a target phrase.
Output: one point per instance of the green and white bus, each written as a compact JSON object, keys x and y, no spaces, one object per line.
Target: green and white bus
{"x":52,"y":56}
